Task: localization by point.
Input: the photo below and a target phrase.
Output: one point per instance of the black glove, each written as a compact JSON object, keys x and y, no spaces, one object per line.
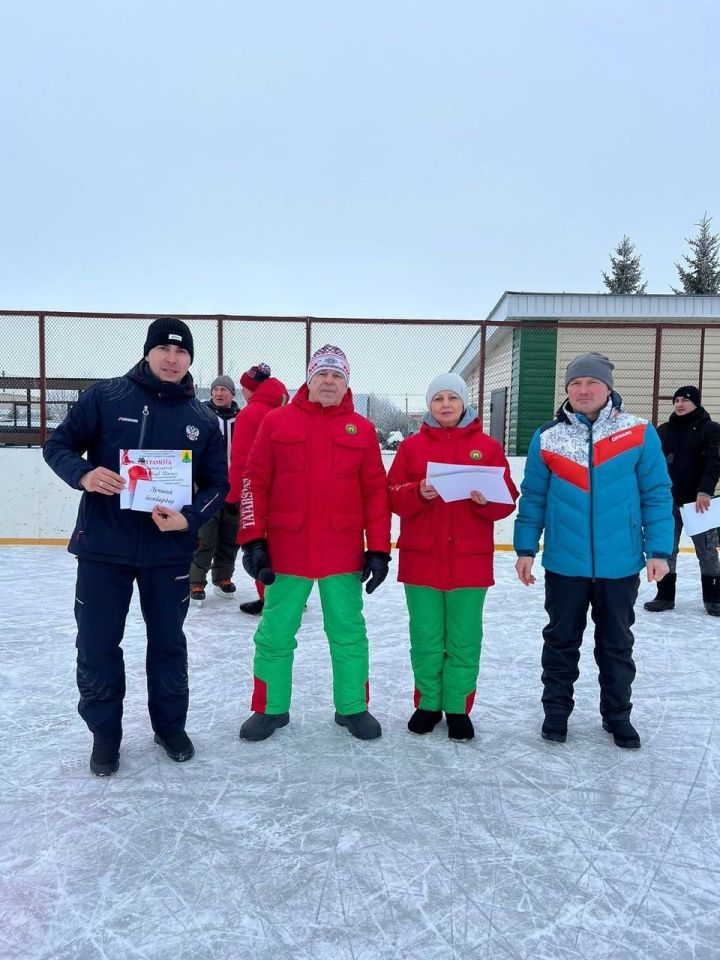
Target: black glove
{"x":376,"y":567}
{"x":256,"y":561}
{"x":232,"y":509}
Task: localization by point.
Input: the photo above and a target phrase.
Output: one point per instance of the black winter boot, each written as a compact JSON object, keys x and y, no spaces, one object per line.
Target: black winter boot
{"x":711,"y":595}
{"x":105,"y":757}
{"x":178,"y":746}
{"x":623,"y":732}
{"x":459,"y":726}
{"x":253,"y":607}
{"x":665,"y":598}
{"x":554,"y":729}
{"x":362,"y":725}
{"x":424,"y":721}
{"x":260,"y":726}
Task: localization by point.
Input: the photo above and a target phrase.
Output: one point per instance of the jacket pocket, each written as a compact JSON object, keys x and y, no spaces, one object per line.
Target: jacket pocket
{"x":289,"y":451}
{"x":344,"y":522}
{"x":348,"y":455}
{"x":478,"y":544}
{"x":285,"y":521}
{"x":635,"y":530}
{"x":416,"y":541}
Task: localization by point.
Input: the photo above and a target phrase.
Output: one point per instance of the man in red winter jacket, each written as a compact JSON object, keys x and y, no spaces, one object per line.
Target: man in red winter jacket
{"x":313,"y":491}
{"x":262,"y":394}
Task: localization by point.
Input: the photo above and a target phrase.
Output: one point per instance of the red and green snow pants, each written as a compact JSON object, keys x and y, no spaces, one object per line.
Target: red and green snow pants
{"x":445,"y":643}
{"x":275,"y":643}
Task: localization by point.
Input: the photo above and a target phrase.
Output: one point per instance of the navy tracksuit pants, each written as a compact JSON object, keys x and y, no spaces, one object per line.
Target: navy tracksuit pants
{"x":102,"y":600}
{"x":612,"y":604}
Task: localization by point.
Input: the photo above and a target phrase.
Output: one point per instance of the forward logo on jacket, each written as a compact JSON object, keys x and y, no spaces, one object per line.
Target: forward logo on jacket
{"x":192,"y":432}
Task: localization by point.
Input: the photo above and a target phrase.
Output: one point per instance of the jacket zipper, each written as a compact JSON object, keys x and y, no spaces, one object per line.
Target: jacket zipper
{"x":591,"y":492}
{"x":145,"y":415}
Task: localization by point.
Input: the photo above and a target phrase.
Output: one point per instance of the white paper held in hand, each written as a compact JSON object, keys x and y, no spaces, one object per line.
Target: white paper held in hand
{"x":695,"y":522}
{"x":455,"y":481}
{"x":150,"y":494}
{"x":167,"y":469}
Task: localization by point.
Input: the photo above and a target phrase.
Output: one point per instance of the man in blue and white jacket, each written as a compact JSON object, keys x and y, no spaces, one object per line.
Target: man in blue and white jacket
{"x":152,"y":407}
{"x":596,"y":483}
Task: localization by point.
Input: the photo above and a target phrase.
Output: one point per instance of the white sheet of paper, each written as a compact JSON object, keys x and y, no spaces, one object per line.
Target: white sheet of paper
{"x":149,"y":494}
{"x":167,"y":468}
{"x":454,"y":481}
{"x":695,"y":522}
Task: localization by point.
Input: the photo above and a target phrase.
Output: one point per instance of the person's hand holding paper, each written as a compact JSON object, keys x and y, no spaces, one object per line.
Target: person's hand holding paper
{"x":455,"y":481}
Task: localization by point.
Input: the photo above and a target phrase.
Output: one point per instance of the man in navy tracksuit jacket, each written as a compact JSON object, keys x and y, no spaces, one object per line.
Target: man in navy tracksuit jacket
{"x":596,"y":483}
{"x":152,"y":407}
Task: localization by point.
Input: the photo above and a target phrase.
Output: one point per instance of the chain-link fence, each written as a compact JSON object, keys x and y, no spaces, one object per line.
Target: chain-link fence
{"x":515,"y":366}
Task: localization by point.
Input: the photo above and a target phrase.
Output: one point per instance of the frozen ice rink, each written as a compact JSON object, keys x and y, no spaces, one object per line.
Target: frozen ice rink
{"x":314,"y":846}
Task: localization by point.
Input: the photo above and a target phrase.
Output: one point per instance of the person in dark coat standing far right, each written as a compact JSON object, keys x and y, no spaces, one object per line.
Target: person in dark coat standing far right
{"x":691,"y":444}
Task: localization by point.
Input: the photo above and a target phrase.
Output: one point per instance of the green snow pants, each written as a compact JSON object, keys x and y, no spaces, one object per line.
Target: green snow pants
{"x":445,"y":643}
{"x":341,"y":600}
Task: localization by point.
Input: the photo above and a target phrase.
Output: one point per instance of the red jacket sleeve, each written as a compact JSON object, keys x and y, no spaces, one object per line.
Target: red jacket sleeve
{"x":247,"y":423}
{"x":404,"y":492}
{"x":255,"y":486}
{"x":376,"y":508}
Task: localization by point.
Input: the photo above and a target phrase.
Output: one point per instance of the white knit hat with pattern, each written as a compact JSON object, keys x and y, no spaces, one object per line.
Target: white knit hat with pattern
{"x":328,"y":358}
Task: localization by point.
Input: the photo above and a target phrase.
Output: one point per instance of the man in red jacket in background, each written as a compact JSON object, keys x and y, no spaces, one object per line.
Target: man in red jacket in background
{"x":313,"y":490}
{"x":262,"y":394}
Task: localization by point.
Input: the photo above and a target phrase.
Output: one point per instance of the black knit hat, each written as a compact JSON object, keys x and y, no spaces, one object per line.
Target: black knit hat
{"x":169,"y":330}
{"x":690,"y":393}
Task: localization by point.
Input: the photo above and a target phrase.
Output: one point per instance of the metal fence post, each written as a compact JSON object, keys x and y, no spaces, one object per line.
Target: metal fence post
{"x":308,"y":341}
{"x":43,"y":379}
{"x":481,"y":372}
{"x":220,"y":347}
{"x":656,"y":374}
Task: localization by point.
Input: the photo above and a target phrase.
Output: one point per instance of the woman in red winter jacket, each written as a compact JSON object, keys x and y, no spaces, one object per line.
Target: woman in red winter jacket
{"x":446,"y":556}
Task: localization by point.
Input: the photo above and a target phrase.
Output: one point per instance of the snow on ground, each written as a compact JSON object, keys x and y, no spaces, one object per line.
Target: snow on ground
{"x":313,"y":846}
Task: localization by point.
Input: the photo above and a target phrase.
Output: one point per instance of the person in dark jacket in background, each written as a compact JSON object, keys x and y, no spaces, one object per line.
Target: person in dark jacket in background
{"x":217,"y":547}
{"x":691,"y":444}
{"x":152,"y":407}
{"x":262,"y":393}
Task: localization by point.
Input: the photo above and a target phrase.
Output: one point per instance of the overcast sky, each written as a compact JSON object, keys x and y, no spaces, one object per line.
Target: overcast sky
{"x":348,"y":157}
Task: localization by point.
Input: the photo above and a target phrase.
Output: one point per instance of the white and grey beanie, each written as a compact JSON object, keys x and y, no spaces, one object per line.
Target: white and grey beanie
{"x":447,"y":381}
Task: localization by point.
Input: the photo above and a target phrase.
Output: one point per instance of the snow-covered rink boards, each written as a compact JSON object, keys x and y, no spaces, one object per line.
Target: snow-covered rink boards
{"x":313,"y":846}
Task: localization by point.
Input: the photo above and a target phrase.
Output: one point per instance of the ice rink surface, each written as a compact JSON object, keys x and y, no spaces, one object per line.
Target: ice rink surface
{"x":313,"y":846}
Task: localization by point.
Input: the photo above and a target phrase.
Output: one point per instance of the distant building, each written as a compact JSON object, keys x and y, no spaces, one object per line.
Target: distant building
{"x":525,"y":361}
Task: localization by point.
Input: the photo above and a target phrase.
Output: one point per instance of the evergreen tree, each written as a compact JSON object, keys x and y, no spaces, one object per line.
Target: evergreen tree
{"x":626,"y":270}
{"x":702,"y":274}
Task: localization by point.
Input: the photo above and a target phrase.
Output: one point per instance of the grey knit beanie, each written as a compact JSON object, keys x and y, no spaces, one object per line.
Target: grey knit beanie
{"x":223,"y":381}
{"x":595,"y":365}
{"x":447,"y":381}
